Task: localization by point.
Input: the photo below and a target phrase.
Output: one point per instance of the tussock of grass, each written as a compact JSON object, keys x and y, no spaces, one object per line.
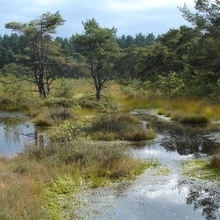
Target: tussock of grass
{"x":15,"y":104}
{"x":193,"y":118}
{"x":43,"y":121}
{"x":29,"y":191}
{"x":21,"y":187}
{"x":215,"y":161}
{"x":184,"y":117}
{"x":119,"y":126}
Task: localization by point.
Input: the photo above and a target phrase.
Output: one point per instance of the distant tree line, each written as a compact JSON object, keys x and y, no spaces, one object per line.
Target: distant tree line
{"x":182,"y":61}
{"x":11,"y":45}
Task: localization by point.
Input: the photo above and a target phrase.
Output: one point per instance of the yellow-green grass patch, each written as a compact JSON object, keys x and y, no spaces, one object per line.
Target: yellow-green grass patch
{"x":200,"y":169}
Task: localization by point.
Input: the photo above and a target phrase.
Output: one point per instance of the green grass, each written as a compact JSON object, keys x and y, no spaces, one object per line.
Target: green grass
{"x":200,"y":169}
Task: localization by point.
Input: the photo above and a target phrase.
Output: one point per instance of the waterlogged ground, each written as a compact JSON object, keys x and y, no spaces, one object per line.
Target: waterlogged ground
{"x":162,"y":193}
{"x":158,"y":194}
{"x":16,"y":130}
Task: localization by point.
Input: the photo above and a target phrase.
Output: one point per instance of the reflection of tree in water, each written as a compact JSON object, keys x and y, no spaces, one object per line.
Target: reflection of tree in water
{"x":12,"y":129}
{"x":203,"y":198}
{"x":188,"y":144}
{"x":185,"y":138}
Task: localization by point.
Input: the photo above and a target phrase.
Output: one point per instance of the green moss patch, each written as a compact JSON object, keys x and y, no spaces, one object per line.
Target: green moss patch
{"x":200,"y":169}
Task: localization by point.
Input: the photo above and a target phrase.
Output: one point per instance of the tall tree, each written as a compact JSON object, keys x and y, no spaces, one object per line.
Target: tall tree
{"x":203,"y":58}
{"x":98,"y":45}
{"x":42,"y":53}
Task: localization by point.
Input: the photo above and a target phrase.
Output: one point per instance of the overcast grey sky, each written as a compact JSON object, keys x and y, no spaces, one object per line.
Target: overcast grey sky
{"x":130,"y":17}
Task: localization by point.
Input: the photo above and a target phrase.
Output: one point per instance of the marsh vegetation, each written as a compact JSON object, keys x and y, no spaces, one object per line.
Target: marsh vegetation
{"x":91,"y":94}
{"x":89,"y":146}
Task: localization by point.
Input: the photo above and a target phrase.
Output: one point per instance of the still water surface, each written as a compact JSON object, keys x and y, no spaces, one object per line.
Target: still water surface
{"x":16,"y":129}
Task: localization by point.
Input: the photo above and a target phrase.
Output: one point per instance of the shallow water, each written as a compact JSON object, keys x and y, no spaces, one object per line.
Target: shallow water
{"x":151,"y":196}
{"x":16,"y":130}
{"x":154,"y":196}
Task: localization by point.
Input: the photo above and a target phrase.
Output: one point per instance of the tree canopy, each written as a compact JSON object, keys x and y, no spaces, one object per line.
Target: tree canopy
{"x":98,"y":45}
{"x":41,"y":53}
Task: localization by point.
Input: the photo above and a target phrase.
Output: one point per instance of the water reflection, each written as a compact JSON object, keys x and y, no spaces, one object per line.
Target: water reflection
{"x":187,"y":145}
{"x":203,"y":197}
{"x":154,"y":196}
{"x":15,"y":130}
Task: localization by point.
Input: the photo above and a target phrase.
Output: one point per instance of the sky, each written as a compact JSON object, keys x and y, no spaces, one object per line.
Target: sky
{"x":129,"y":17}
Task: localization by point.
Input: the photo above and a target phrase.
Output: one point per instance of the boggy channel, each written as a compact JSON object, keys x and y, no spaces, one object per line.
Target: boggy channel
{"x":154,"y":196}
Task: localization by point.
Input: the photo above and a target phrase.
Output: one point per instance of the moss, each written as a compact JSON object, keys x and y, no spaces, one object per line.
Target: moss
{"x":59,"y":195}
{"x":163,"y":170}
{"x":200,"y":169}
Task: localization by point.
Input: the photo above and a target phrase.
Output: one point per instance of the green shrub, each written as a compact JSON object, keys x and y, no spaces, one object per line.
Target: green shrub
{"x":64,"y":89}
{"x":67,"y":132}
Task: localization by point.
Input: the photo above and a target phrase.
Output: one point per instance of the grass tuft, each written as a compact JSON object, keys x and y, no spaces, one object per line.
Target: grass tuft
{"x":43,"y":121}
{"x":215,"y":161}
{"x":193,"y":118}
{"x":119,"y":126}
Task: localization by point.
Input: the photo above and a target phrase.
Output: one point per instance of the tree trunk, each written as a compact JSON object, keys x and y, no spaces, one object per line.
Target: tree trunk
{"x":98,"y":87}
{"x":98,"y":95}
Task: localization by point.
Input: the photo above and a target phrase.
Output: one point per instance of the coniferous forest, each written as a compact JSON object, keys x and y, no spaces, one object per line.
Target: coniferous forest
{"x":180,"y":62}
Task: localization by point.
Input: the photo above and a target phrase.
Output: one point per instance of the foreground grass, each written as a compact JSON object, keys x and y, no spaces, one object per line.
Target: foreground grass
{"x":39,"y":183}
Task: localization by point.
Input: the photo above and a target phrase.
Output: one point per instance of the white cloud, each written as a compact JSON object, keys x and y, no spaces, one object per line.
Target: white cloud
{"x":128,"y":16}
{"x":49,"y":2}
{"x":141,"y":4}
